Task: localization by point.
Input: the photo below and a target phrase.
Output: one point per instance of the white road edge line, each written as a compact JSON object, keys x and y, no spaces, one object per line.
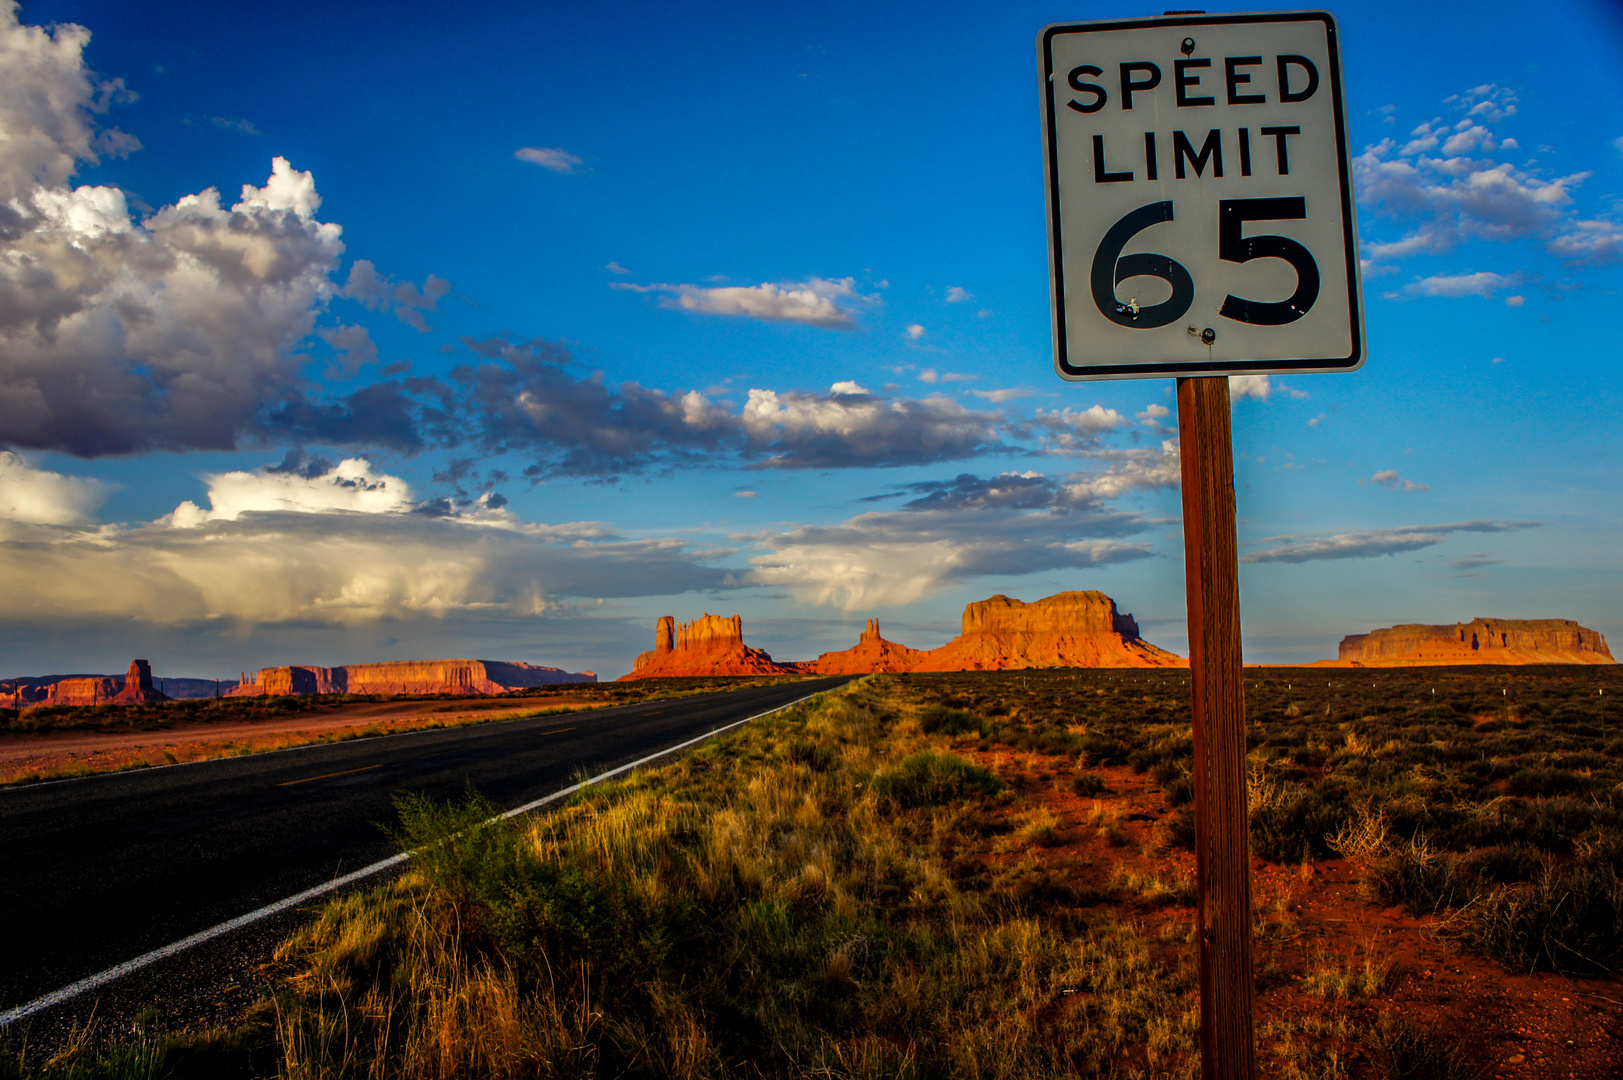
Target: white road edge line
{"x":102,"y":978}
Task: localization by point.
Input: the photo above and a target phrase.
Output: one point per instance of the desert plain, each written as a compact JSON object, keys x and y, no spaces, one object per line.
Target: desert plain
{"x":981,"y":873}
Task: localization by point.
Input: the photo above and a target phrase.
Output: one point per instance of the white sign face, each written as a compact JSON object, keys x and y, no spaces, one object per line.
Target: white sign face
{"x":1200,"y":210}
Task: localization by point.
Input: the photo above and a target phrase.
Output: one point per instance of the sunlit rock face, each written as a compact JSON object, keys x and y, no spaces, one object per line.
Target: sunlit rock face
{"x":96,"y":690}
{"x":134,"y":688}
{"x":709,"y":645}
{"x":138,"y":685}
{"x":405,"y":677}
{"x":871,"y":653}
{"x":1481,"y":641}
{"x":1072,"y":629}
{"x":1069,"y":629}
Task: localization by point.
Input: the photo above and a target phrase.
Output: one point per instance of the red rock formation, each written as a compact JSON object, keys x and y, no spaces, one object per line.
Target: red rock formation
{"x":92,"y":690}
{"x":710,"y":645}
{"x":871,"y":653}
{"x":1069,"y":629}
{"x":1481,"y":641}
{"x":134,"y":688}
{"x":138,"y":685}
{"x":1073,"y":629}
{"x":405,"y":677}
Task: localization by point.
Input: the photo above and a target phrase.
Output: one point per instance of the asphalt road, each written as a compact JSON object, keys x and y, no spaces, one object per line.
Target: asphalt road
{"x":99,"y":870}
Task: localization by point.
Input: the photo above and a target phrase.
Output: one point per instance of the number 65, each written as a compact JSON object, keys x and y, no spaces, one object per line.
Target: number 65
{"x":1111,"y":267}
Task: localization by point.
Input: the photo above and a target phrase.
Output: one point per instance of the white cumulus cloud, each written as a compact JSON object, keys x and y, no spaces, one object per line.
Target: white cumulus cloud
{"x":551,"y":158}
{"x":1445,"y":183}
{"x":1067,"y":430}
{"x":1146,"y":469}
{"x":351,"y":486}
{"x":813,"y":302}
{"x":1481,"y":283}
{"x":1389,"y":478}
{"x":1250,"y":386}
{"x":41,"y":497}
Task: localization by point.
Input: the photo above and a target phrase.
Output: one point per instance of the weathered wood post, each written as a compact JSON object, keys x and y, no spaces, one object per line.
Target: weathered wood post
{"x":1217,"y":687}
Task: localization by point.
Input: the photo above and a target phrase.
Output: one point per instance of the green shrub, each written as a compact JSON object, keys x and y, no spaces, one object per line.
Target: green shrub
{"x":540,"y":911}
{"x":1501,"y":864}
{"x":1087,"y":784}
{"x":1546,"y":780}
{"x":1180,"y":791}
{"x":1569,"y":920}
{"x":942,"y":720}
{"x":1415,"y":876}
{"x":1291,"y":823}
{"x":931,"y":778}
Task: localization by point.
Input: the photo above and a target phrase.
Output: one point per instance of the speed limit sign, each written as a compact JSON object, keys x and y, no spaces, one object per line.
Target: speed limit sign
{"x":1200,"y":206}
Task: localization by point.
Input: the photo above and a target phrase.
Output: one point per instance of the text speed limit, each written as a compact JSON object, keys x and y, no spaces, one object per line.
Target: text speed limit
{"x":1200,"y":207}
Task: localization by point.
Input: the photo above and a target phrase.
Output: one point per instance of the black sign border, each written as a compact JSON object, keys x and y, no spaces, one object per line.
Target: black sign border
{"x":1062,"y":364}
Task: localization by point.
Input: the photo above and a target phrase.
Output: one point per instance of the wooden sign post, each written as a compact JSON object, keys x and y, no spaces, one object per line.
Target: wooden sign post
{"x":1201,"y":225}
{"x":1217,"y":690}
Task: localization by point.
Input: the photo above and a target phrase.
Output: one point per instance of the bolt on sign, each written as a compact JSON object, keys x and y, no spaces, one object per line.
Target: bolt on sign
{"x":1200,"y":208}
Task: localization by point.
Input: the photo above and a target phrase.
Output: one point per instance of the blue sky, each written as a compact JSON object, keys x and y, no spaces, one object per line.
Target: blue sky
{"x":537,"y":322}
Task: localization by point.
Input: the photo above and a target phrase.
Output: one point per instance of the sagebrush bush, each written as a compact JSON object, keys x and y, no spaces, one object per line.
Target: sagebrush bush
{"x":1086,"y":784}
{"x":1569,"y":920}
{"x":933,"y":778}
{"x":940,"y":719}
{"x":1546,"y":780}
{"x":1290,"y":822}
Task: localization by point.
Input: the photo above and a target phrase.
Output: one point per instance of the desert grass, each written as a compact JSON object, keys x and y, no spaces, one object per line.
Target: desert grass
{"x":1490,"y":797}
{"x":903,"y":879}
{"x":779,"y":905}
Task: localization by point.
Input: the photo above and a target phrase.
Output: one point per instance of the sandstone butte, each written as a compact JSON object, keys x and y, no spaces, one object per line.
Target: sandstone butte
{"x":709,"y":645}
{"x":135,"y":687}
{"x":405,"y":677}
{"x":1071,"y":629}
{"x":1480,"y":641}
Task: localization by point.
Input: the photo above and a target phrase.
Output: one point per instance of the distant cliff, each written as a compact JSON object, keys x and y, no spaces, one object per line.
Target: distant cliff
{"x":1070,"y":629}
{"x":134,"y":688}
{"x":405,"y":677}
{"x":1481,"y":641}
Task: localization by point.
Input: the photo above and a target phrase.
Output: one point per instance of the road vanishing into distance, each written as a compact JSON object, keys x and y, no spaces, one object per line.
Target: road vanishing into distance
{"x":99,"y":870}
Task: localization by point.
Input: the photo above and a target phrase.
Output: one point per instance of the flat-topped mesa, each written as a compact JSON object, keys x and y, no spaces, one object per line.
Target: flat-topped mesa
{"x":405,"y":677}
{"x":871,"y":653}
{"x":1480,"y":641}
{"x":709,"y":645}
{"x":90,"y":690}
{"x":133,"y":689}
{"x":1068,"y":629}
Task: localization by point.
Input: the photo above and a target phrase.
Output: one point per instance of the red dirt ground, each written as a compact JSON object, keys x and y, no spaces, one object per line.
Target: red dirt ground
{"x":56,"y":755}
{"x":1536,"y":1026}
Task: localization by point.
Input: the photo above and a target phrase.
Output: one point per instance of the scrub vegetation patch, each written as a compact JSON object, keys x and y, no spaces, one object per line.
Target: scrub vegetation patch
{"x":989,"y":875}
